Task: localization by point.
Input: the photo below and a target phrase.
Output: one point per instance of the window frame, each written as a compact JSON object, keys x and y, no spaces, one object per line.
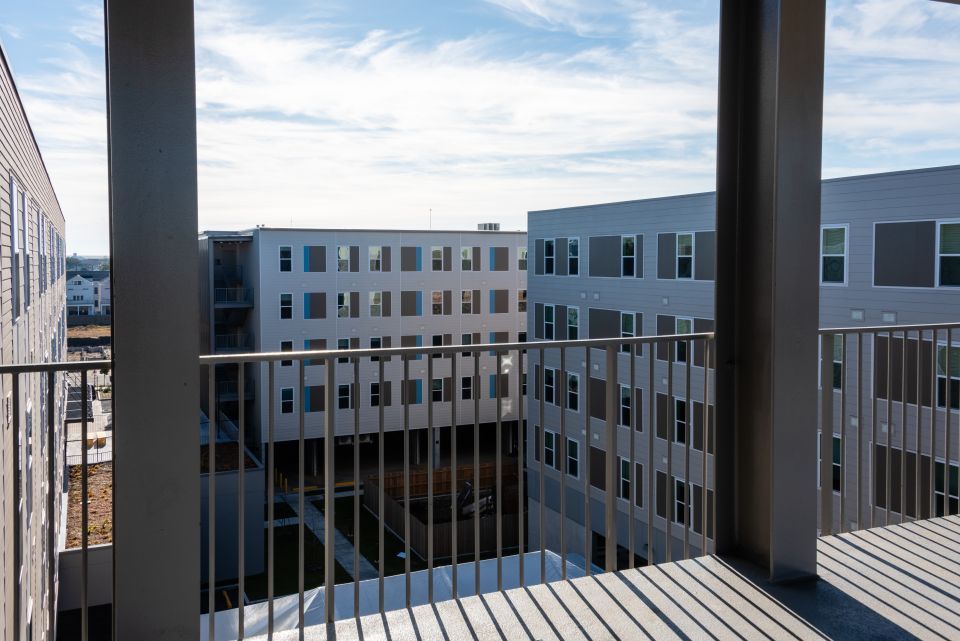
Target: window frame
{"x":552,"y":386}
{"x":677,"y":414}
{"x":374,"y":394}
{"x":466,"y":294}
{"x":466,"y":339}
{"x":288,"y":306}
{"x":624,"y":463}
{"x":378,"y":259}
{"x":286,"y":362}
{"x":692,"y":257}
{"x":466,"y":388}
{"x":576,"y":325}
{"x":551,"y":322}
{"x":466,"y":259}
{"x":341,"y":346}
{"x":575,"y":458}
{"x":628,"y":408}
{"x":947,"y":378}
{"x":939,"y":255}
{"x":522,"y":254}
{"x":433,"y":258}
{"x":340,"y":261}
{"x":573,"y":258}
{"x":374,"y":305}
{"x":521,"y":301}
{"x":624,"y":348}
{"x":573,"y":393}
{"x":434,"y":303}
{"x":379,"y":340}
{"x":681,"y":486}
{"x":291,"y":401}
{"x":550,"y":451}
{"x":289,"y":258}
{"x":344,"y":305}
{"x":348,"y":398}
{"x":682,"y":344}
{"x":624,"y":257}
{"x":433,"y":390}
{"x":846,"y":254}
{"x":552,"y":257}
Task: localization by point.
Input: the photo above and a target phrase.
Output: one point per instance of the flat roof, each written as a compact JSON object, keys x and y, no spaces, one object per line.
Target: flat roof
{"x":240,"y":234}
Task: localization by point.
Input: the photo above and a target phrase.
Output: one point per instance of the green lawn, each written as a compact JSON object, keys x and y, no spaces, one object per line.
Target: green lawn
{"x":368,"y":535}
{"x":286,"y":552}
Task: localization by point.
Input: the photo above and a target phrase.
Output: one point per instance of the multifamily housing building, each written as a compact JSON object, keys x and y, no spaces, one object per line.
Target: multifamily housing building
{"x":273,"y":290}
{"x":88,"y":293}
{"x":889,"y":254}
{"x":32,"y":330}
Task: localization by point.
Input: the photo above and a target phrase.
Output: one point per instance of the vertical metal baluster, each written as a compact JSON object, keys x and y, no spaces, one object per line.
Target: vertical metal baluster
{"x":301,"y":455}
{"x":211,"y":498}
{"x":948,"y":410}
{"x":671,"y":438}
{"x":51,"y":493}
{"x":356,"y":487}
{"x":888,"y":493}
{"x":826,"y":433}
{"x":587,"y":432}
{"x":631,"y":465}
{"x":406,"y":478}
{"x":241,"y":494}
{"x":612,"y":403}
{"x":84,"y":514}
{"x":271,"y":481}
{"x":688,"y":436}
{"x":860,"y":429}
{"x":499,"y":475}
{"x":476,"y":472}
{"x":933,"y":421}
{"x":843,"y":433}
{"x":706,"y":445}
{"x":329,"y":482}
{"x":454,"y":515}
{"x":380,"y":481}
{"x":430,"y":479}
{"x":542,"y":454}
{"x":651,"y":430}
{"x":903,"y":428}
{"x":874,"y":340}
{"x":564,"y":386}
{"x":917,"y":465}
{"x":14,"y":446}
{"x":521,"y":467}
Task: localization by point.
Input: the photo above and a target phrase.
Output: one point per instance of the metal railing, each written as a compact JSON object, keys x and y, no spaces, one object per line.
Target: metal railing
{"x":671,"y":370}
{"x":891,"y":455}
{"x":233,"y":295}
{"x":233,"y":341}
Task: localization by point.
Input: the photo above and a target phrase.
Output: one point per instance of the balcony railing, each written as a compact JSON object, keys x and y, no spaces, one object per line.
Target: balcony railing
{"x":233,"y":296}
{"x":233,"y":342}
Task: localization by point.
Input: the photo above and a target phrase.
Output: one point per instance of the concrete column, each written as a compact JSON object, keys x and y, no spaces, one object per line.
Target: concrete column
{"x":767,"y":299}
{"x":151,"y":102}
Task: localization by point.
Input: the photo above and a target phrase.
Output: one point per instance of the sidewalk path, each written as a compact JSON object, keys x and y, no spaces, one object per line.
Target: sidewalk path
{"x":343,"y":548}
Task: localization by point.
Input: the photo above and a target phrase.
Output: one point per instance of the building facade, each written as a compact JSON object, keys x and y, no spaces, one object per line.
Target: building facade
{"x":88,"y":293}
{"x":272,"y":290}
{"x":890,"y":252}
{"x":32,"y":330}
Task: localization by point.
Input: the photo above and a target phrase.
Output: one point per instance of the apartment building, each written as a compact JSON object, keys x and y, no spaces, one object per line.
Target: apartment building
{"x":889,"y":254}
{"x":275,"y":290}
{"x":88,"y":293}
{"x":32,"y":330}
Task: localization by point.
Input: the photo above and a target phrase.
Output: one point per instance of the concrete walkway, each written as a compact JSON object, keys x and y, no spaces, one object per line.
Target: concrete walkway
{"x":342,"y":547}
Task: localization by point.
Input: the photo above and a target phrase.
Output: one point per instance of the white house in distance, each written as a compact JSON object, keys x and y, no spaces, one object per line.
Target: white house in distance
{"x":88,"y":293}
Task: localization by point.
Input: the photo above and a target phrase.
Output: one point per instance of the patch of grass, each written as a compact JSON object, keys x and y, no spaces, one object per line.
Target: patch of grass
{"x":368,"y":534}
{"x":285,"y":561}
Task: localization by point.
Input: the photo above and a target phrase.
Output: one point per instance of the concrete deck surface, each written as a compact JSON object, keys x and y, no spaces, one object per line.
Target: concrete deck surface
{"x":897,"y":582}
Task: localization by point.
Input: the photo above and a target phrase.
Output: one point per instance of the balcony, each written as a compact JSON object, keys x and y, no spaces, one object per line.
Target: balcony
{"x":233,"y":342}
{"x":229,"y":297}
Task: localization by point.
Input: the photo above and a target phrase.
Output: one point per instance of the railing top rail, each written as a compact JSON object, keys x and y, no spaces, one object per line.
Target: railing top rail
{"x":69,"y":366}
{"x":263,"y":357}
{"x":887,"y":328}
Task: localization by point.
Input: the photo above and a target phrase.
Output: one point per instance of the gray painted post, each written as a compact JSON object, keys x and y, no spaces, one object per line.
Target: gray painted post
{"x":770,"y":121}
{"x":151,"y":106}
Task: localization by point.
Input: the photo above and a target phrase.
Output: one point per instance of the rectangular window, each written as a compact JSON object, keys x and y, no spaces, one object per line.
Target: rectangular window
{"x":837,"y":362}
{"x":573,"y":458}
{"x":625,"y":406}
{"x":343,"y":343}
{"x":680,"y":421}
{"x":376,"y":304}
{"x":627,"y":255}
{"x":953,"y":366}
{"x":286,"y":400}
{"x":466,"y":259}
{"x":436,"y":390}
{"x":286,"y":258}
{"x":343,"y":258}
{"x":949,"y":254}
{"x":343,"y":304}
{"x":548,"y":256}
{"x":837,"y":466}
{"x":376,"y":342}
{"x":573,"y":256}
{"x":521,"y":300}
{"x":374,"y":394}
{"x":683,"y":326}
{"x":466,"y":301}
{"x":286,"y":346}
{"x":685,"y":251}
{"x":681,"y":505}
{"x":523,"y":384}
{"x":436,"y":303}
{"x":833,"y":254}
{"x":466,"y":339}
{"x":624,"y":485}
{"x":548,"y":323}
{"x":436,"y":259}
{"x":437,"y":341}
{"x":939,"y":490}
{"x":627,"y":329}
{"x":573,"y":323}
{"x":549,"y":449}
{"x":286,"y":306}
{"x":522,"y":259}
{"x":573,"y":391}
{"x":375,"y":255}
{"x":345,"y":397}
{"x":466,"y":388}
{"x":549,"y":385}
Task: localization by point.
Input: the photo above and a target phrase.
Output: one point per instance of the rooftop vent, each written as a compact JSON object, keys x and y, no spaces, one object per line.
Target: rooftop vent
{"x":488,"y":227}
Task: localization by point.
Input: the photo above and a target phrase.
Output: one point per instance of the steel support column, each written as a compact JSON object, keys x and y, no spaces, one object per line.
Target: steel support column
{"x":151,"y":106}
{"x":768,"y":218}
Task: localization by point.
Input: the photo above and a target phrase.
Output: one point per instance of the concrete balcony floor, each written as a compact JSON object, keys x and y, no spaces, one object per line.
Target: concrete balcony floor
{"x":896,"y":582}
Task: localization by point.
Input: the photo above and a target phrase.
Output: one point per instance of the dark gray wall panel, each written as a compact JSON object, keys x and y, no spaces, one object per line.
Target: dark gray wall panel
{"x":604,"y":323}
{"x":562,"y":265}
{"x":385,"y":259}
{"x":705,"y":247}
{"x":408,"y":259}
{"x":666,"y":255}
{"x":905,"y":254}
{"x":638,"y":244}
{"x":354,"y":258}
{"x":538,"y":320}
{"x":538,"y":257}
{"x":605,"y":256}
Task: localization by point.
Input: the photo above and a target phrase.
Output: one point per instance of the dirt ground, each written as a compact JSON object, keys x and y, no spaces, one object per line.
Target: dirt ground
{"x":226,"y":458}
{"x":88,"y":331}
{"x":99,"y":506}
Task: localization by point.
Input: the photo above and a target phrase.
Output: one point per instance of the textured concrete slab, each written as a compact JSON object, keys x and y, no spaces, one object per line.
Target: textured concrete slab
{"x":897,"y":582}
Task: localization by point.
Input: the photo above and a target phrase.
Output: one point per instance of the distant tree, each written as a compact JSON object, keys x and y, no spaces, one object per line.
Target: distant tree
{"x":74,"y":262}
{"x":104,"y":266}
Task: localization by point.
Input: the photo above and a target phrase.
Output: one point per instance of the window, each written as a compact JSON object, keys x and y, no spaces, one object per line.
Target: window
{"x":681,"y":506}
{"x":466,"y":259}
{"x":938,"y":491}
{"x":286,"y":400}
{"x":466,"y":388}
{"x":286,"y":306}
{"x":466,"y":339}
{"x":286,"y":346}
{"x":573,"y":391}
{"x":343,"y":258}
{"x":837,"y":362}
{"x":833,"y":255}
{"x":548,"y":322}
{"x":624,"y":485}
{"x":523,"y":384}
{"x":573,"y":256}
{"x":627,"y":255}
{"x":573,"y":458}
{"x":949,"y":254}
{"x":436,"y":390}
{"x":625,"y":406}
{"x":683,"y":326}
{"x":345,"y":397}
{"x":522,"y":338}
{"x":837,"y":466}
{"x":466,"y":301}
{"x":548,"y":256}
{"x":573,"y":323}
{"x":376,"y":342}
{"x":680,"y":421}
{"x":375,"y":255}
{"x":436,"y":259}
{"x":374,"y":394}
{"x":521,"y":300}
{"x":549,"y":385}
{"x":549,"y":449}
{"x":626,"y":329}
{"x":522,"y":259}
{"x":343,"y":304}
{"x":343,"y":343}
{"x":437,"y":341}
{"x":376,"y":304}
{"x":436,"y":303}
{"x":684,"y":255}
{"x":951,"y":354}
{"x":286,"y":258}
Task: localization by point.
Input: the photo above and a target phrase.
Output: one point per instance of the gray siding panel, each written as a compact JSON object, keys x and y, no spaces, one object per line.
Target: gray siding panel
{"x":538,"y":257}
{"x":476,"y":259}
{"x":598,"y":400}
{"x":538,"y":321}
{"x":408,"y":303}
{"x":905,"y":254}
{"x":385,"y":256}
{"x":604,"y":256}
{"x":318,"y":258}
{"x":408,"y":259}
{"x":666,"y":325}
{"x":560,"y":322}
{"x":354,"y":304}
{"x":604,"y":323}
{"x":562,"y":264}
{"x":476,"y":301}
{"x":354,"y":258}
{"x":385,"y":303}
{"x":705,"y":245}
{"x":638,"y":244}
{"x":501,"y":259}
{"x":447,"y":259}
{"x":666,"y":256}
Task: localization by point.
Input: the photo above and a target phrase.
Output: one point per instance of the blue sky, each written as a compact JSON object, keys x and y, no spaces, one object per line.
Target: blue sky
{"x":371,"y":113}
